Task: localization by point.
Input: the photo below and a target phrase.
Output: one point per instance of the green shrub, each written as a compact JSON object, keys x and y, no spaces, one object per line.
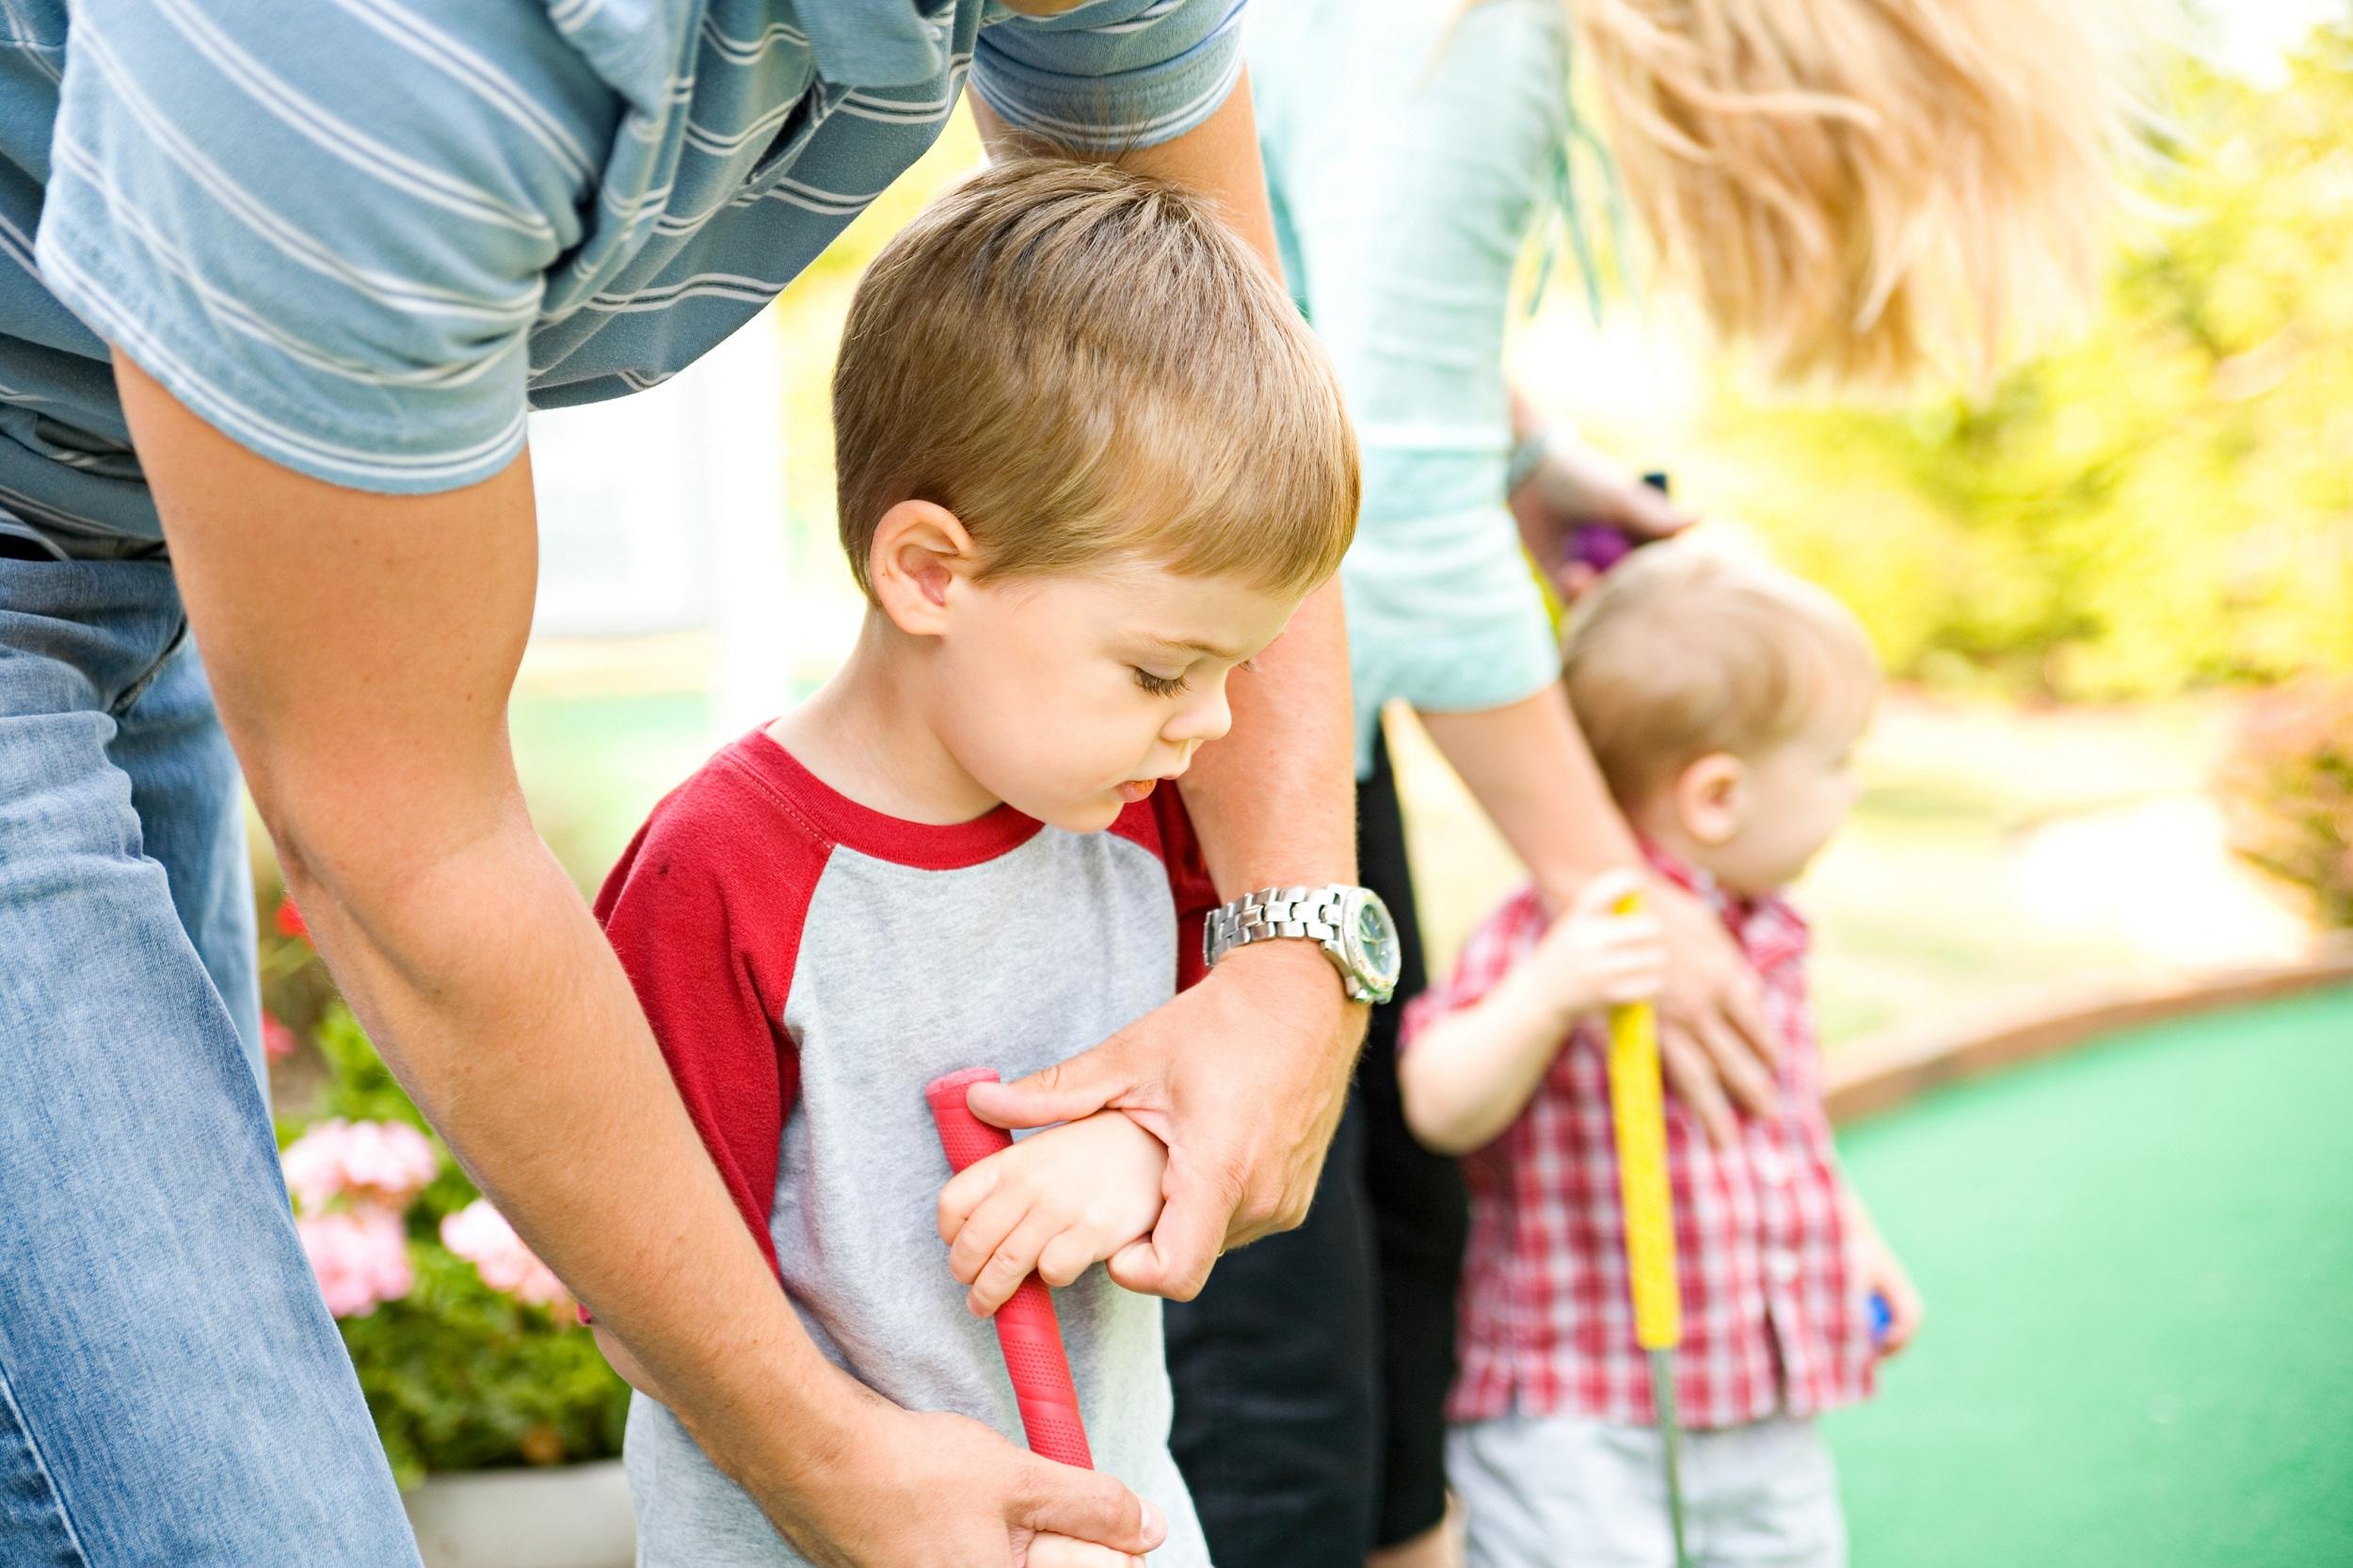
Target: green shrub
{"x":2288,"y":788}
{"x":458,"y":1373}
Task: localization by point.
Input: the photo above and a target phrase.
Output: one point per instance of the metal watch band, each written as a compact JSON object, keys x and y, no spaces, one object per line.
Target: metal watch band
{"x":1310,"y":912}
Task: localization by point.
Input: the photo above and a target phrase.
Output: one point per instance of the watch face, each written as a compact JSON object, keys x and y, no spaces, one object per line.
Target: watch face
{"x":1373,"y":940}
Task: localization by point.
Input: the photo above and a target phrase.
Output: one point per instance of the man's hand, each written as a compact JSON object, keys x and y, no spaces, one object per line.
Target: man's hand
{"x":1714,"y":1039}
{"x":1242,"y":1078}
{"x":920,"y":1489}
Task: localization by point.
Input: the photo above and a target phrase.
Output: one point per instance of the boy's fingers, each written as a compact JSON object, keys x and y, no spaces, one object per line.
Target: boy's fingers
{"x":1086,"y":1505}
{"x":985,"y":1230}
{"x":1089,"y":1081}
{"x":1014,"y":1260}
{"x":965,"y":1193}
{"x":1903,"y":1315}
{"x":1065,"y":1257}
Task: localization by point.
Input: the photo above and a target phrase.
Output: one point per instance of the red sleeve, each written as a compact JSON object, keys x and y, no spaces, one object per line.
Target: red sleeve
{"x":1160,"y":823}
{"x":705,"y":910}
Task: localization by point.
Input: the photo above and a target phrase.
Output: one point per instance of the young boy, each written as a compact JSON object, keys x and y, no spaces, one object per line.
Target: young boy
{"x":1090,"y":460}
{"x":1721,"y":703}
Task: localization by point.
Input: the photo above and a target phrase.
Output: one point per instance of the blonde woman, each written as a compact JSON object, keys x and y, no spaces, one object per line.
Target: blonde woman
{"x":1851,"y":189}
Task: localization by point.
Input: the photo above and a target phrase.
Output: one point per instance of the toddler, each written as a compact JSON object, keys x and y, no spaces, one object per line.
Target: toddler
{"x":1722,"y":703}
{"x":1090,"y":459}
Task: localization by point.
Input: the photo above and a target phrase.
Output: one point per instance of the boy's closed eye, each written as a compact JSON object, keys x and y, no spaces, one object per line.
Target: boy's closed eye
{"x":1173,"y":685}
{"x":1054,"y":1204}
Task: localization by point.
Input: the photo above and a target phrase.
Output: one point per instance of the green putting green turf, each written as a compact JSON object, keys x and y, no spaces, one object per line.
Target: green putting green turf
{"x":2138,"y":1260}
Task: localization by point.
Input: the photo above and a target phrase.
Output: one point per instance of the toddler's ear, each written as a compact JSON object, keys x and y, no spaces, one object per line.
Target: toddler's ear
{"x":1711,"y":797}
{"x":920,"y":551}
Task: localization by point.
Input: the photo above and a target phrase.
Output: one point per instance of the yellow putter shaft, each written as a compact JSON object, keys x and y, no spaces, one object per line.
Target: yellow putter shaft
{"x":1638,"y":1122}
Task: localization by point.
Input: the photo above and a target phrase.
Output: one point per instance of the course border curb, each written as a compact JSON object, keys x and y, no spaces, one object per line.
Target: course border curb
{"x":1882,"y":1071}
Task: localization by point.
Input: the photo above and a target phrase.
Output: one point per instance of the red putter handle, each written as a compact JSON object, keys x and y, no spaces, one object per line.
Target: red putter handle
{"x":1027,"y":1331}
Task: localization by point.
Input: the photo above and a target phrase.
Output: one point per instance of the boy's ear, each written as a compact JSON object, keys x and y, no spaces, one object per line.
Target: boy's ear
{"x":919,"y":557}
{"x":1711,"y":797}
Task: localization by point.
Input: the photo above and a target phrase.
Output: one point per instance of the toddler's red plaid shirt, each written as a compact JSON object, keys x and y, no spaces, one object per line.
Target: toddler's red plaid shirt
{"x":1770,"y":1323}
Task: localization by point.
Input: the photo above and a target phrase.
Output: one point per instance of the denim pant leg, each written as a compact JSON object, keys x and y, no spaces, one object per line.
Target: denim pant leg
{"x":172,"y":1390}
{"x":184,"y":790}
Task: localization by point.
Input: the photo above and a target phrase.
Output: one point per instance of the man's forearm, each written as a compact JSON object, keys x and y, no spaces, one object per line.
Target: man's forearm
{"x":1274,"y":801}
{"x":360,"y":648}
{"x":492,"y":995}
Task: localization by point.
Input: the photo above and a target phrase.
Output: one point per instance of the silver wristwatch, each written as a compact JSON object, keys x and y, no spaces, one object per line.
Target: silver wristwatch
{"x":1350,"y":924}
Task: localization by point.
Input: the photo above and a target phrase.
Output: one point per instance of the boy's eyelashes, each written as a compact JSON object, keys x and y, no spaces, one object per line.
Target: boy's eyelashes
{"x":1169,"y":685}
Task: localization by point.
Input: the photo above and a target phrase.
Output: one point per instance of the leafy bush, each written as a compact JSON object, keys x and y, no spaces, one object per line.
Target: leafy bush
{"x":458,"y":1372}
{"x":2164,"y":503}
{"x":2288,"y":787}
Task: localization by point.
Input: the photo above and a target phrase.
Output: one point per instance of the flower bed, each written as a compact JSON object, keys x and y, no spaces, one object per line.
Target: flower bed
{"x":468,"y":1348}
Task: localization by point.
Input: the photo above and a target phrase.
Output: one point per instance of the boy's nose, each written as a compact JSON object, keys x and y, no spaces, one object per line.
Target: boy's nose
{"x":1205,"y":720}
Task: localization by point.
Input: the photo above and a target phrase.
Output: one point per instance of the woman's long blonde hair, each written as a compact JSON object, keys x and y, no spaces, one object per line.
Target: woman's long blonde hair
{"x":1857,"y":188}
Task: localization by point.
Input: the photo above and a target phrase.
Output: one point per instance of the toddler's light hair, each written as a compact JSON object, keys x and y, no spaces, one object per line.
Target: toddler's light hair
{"x":1082,"y":364}
{"x":1682,"y":653}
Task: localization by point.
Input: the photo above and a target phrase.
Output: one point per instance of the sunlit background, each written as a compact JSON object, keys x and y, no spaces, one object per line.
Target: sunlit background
{"x":2114,"y":591}
{"x":2079,"y":577}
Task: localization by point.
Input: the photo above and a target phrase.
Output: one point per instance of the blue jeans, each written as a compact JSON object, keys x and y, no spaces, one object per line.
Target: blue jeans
{"x":172,"y":1391}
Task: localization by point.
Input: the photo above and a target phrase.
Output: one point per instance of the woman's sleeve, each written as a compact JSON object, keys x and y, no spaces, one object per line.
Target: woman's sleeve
{"x":1408,"y":179}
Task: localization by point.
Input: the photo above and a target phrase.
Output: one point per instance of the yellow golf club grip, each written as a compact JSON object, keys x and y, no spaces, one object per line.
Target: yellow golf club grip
{"x":1638,"y":1118}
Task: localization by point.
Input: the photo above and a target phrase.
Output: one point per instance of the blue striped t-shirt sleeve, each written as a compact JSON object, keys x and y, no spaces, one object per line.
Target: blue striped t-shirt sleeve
{"x":324,"y":227}
{"x":1113,"y":75}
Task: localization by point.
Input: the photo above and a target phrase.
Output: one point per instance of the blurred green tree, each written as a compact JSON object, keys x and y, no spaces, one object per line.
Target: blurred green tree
{"x":2162,"y":504}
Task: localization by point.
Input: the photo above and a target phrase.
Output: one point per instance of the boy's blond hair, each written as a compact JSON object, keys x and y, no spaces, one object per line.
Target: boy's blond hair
{"x":1682,"y":653}
{"x":1084,"y":364}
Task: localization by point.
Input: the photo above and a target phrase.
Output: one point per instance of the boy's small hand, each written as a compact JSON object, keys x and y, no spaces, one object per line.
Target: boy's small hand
{"x":1055,"y":1203}
{"x":1879,"y":1271}
{"x":1598,"y":957}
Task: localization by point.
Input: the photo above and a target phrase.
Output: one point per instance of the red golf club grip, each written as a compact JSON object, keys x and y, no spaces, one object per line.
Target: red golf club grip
{"x":1026,"y":1329}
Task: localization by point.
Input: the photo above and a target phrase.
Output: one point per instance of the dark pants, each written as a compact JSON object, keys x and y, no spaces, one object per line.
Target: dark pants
{"x":1311,"y":1375}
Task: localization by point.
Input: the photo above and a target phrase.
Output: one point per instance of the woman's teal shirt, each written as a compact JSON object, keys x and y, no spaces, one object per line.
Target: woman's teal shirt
{"x":1410,"y":149}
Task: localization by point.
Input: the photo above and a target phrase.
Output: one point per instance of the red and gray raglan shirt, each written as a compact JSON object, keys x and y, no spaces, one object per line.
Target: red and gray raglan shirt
{"x":807,"y":966}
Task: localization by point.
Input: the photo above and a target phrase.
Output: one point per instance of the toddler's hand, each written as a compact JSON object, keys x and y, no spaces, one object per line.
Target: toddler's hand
{"x":1055,"y":1201}
{"x":1879,"y":1271}
{"x":1597,"y":957}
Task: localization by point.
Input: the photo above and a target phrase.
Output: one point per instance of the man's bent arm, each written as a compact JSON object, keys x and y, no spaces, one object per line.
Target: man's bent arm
{"x":362,"y":647}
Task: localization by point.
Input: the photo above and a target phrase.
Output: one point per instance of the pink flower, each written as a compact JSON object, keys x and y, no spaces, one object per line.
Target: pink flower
{"x":290,"y":922}
{"x":480,"y":1235}
{"x":380,"y":1164}
{"x":360,"y":1258}
{"x":278,"y":1041}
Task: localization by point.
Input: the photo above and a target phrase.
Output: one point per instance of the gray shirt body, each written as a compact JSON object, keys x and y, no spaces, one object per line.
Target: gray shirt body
{"x":1000,"y":942}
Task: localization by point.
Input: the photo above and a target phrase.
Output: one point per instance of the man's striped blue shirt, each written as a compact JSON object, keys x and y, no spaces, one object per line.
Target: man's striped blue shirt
{"x":361,"y":236}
